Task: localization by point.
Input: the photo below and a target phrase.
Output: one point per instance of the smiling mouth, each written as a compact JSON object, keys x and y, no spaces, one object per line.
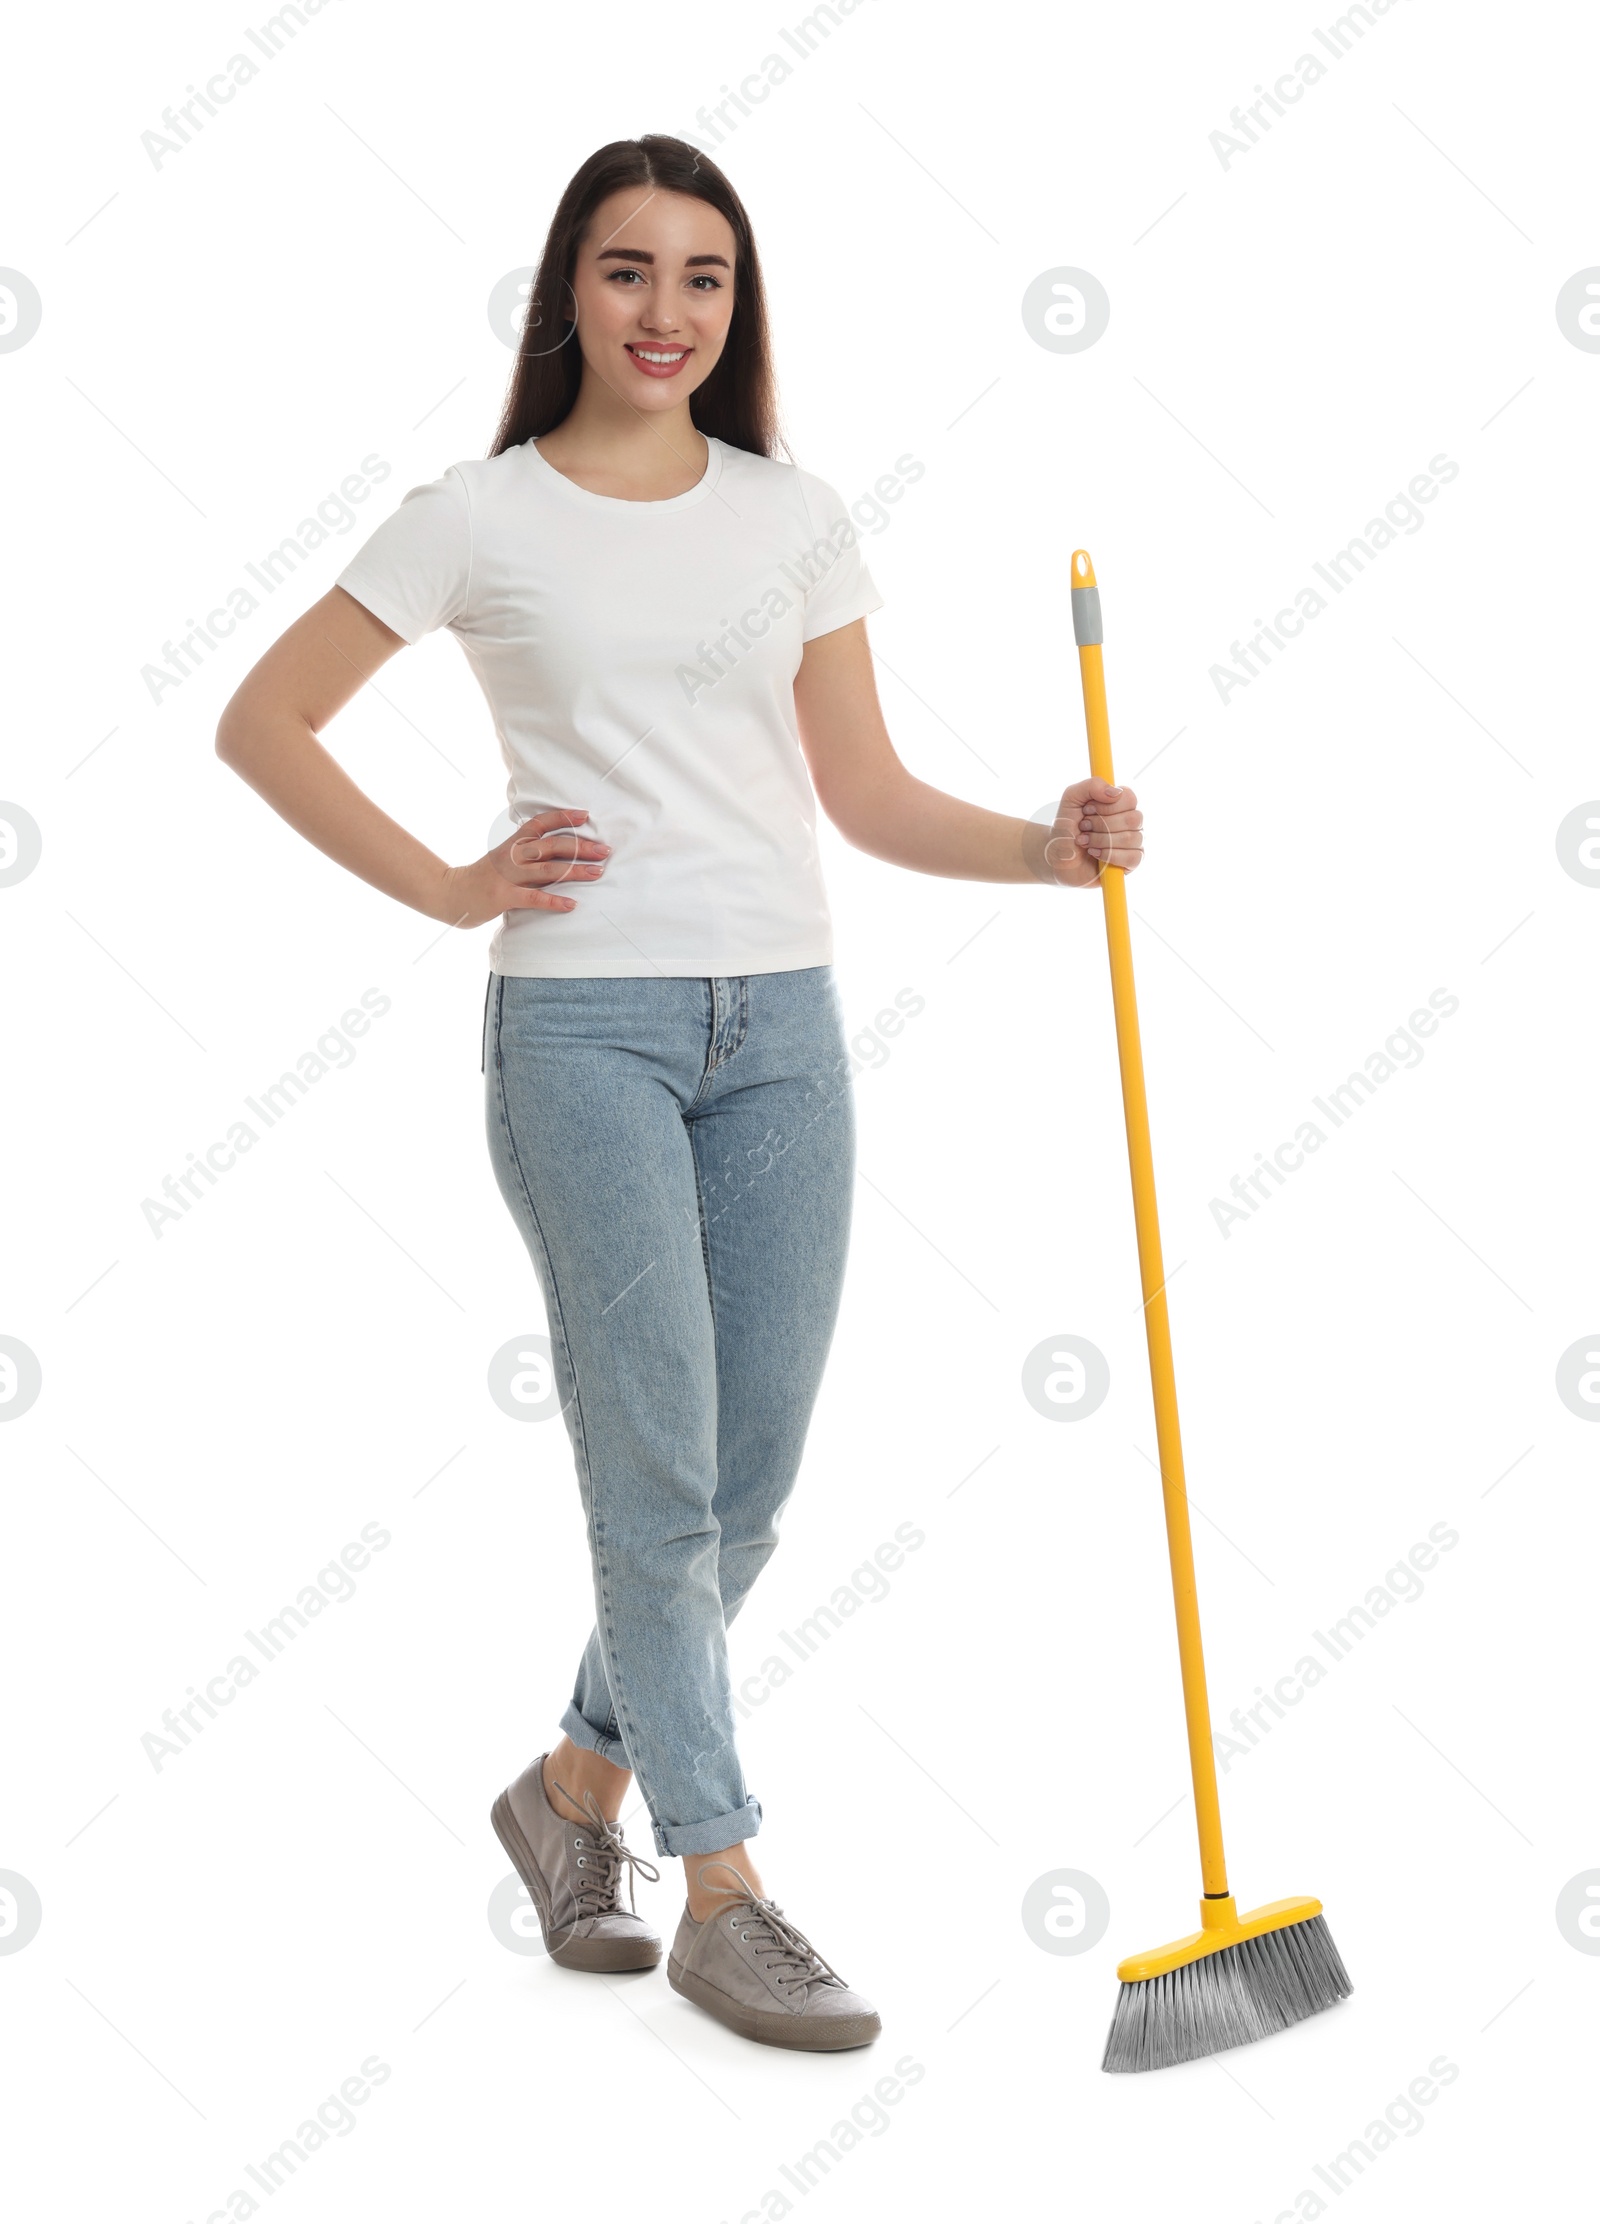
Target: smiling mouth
{"x":658,"y":362}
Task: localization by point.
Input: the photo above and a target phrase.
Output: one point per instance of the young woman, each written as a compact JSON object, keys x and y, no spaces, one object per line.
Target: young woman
{"x":668,"y":625}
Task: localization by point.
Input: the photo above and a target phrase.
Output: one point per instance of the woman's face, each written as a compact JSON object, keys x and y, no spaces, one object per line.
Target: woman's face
{"x":654,"y":286}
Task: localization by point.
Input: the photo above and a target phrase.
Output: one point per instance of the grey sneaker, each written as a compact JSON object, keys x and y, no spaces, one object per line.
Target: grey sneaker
{"x":749,"y":1967}
{"x":573,"y":1872}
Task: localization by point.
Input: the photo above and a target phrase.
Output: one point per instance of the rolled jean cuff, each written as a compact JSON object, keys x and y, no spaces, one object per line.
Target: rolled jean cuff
{"x":583,"y":1732}
{"x":709,"y":1837}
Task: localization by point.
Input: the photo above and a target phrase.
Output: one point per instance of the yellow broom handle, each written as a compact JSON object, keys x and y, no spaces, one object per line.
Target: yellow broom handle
{"x":1164,"y":1390}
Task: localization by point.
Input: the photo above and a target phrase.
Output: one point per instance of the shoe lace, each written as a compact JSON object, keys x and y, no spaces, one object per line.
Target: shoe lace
{"x":780,"y":1947}
{"x":605,"y":1857}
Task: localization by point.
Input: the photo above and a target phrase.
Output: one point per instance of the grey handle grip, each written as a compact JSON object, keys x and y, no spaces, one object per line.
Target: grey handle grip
{"x":1086,"y":626}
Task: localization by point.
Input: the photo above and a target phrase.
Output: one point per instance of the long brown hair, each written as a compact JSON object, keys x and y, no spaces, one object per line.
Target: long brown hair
{"x":738,"y":403}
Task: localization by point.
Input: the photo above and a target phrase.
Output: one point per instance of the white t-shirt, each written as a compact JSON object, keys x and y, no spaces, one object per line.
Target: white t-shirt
{"x":638,"y":659}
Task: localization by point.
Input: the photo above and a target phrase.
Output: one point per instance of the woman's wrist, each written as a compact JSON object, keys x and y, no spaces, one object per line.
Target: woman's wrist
{"x":1035,"y":844}
{"x":450,"y":898}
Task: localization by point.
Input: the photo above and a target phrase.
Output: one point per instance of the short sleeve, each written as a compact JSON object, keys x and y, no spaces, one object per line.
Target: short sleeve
{"x":414,"y":571}
{"x":841,"y":588}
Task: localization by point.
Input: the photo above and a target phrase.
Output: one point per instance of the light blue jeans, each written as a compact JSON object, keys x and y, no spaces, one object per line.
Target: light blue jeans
{"x":679,"y":1154}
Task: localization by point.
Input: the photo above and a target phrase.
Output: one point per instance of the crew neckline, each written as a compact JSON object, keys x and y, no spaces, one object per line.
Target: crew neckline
{"x":697,"y":493}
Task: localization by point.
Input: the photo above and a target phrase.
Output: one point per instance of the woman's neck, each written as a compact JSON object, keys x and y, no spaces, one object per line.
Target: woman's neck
{"x":610,"y":448}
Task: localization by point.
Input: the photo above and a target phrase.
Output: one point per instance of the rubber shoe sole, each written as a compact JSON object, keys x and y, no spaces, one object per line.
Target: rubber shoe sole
{"x":566,"y":1951}
{"x":768,"y":2026}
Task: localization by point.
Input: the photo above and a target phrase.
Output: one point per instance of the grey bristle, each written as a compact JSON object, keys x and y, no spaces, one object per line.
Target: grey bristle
{"x":1244,"y":1993}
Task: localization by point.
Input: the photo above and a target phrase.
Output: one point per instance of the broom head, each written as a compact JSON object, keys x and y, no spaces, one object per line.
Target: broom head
{"x":1236,"y":1979}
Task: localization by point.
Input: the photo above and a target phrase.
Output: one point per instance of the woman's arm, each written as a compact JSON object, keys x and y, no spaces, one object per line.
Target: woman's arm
{"x":880,"y":807}
{"x":268,"y":734}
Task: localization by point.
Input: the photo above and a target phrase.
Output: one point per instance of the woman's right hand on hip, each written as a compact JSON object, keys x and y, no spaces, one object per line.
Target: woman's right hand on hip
{"x":528,"y":870}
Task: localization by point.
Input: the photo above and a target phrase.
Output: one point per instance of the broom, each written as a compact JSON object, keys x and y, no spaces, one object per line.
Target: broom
{"x":1239,"y":1977}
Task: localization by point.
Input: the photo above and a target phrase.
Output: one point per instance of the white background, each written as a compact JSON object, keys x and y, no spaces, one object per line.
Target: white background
{"x":1374,"y":1352}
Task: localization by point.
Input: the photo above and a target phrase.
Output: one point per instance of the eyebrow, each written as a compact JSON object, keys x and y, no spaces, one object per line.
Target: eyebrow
{"x":644,"y":255}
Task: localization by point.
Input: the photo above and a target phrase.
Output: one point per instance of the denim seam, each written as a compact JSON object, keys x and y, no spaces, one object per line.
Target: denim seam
{"x":732,"y":1738}
{"x":741,"y":1028}
{"x":705,"y":1243}
{"x":591,"y":1508}
{"x":711,"y":1063}
{"x":741,"y":1025}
